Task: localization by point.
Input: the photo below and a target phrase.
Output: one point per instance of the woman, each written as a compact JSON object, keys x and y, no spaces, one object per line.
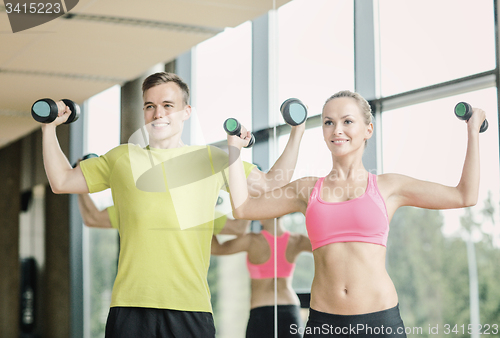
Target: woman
{"x":347,"y":218}
{"x":260,"y":264}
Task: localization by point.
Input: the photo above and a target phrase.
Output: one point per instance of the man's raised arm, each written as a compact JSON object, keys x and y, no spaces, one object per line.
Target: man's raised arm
{"x":63,"y":179}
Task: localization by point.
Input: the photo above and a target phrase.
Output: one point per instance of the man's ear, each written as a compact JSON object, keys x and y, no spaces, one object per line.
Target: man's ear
{"x":187,"y":112}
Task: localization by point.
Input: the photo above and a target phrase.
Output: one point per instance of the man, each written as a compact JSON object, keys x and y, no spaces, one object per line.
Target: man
{"x":164,"y":197}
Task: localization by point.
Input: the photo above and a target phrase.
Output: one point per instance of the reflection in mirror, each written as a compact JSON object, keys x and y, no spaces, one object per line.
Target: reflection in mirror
{"x":261,"y":255}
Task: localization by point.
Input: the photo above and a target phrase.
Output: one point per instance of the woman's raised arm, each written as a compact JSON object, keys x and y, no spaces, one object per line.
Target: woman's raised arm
{"x":429,"y":195}
{"x":277,"y":202}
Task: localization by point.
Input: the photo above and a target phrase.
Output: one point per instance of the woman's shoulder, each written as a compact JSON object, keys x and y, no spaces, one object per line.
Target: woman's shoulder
{"x":256,"y":240}
{"x":391,"y":178}
{"x":305,"y":185}
{"x":391,"y":183}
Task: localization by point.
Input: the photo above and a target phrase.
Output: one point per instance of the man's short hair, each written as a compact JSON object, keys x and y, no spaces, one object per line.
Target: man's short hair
{"x":164,"y":77}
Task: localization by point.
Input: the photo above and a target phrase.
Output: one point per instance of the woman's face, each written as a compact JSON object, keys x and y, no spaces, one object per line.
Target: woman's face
{"x":344,"y":126}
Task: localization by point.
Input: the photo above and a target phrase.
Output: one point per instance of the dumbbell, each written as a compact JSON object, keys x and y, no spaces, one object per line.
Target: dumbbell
{"x":46,"y":111}
{"x":233,"y":127}
{"x":294,"y":112}
{"x":89,"y":155}
{"x":463,"y":111}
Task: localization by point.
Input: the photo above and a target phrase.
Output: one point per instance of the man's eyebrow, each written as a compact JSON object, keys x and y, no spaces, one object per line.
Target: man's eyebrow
{"x":166,"y":101}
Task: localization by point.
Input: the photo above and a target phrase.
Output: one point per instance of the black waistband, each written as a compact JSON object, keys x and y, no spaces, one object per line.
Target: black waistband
{"x":270,"y":308}
{"x":388,"y":317}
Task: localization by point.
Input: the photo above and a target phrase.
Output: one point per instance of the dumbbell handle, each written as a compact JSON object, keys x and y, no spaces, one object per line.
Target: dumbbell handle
{"x":233,"y":127}
{"x":75,"y":111}
{"x":463,"y":111}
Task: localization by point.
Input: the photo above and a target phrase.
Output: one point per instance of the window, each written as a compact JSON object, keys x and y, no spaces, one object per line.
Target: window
{"x":222,"y":82}
{"x":427,"y":42}
{"x":315,"y":51}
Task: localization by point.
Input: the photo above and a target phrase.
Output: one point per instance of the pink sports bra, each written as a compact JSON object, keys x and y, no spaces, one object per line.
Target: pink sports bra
{"x":363,"y":219}
{"x":266,"y":270}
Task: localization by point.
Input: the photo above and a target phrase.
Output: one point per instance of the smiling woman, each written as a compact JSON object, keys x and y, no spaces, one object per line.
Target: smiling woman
{"x":351,"y":285}
{"x":359,"y":104}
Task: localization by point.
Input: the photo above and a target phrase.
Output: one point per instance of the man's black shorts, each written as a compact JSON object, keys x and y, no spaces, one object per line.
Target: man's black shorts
{"x":135,"y":322}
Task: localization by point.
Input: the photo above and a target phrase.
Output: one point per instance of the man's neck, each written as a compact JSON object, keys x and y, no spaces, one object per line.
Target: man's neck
{"x":166,"y":144}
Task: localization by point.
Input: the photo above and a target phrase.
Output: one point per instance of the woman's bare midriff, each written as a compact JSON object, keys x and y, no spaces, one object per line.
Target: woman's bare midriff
{"x":350,"y":278}
{"x":263,"y":292}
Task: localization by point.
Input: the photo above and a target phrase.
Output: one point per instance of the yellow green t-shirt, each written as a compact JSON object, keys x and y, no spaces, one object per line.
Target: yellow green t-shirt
{"x":219,"y":222}
{"x":164,"y":203}
{"x":113,"y":217}
{"x":220,"y":219}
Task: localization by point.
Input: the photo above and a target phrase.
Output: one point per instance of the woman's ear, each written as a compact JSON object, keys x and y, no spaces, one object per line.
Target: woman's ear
{"x":369,"y":131}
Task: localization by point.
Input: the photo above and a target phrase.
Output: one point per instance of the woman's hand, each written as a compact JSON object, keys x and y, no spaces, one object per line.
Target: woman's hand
{"x":476,"y":120}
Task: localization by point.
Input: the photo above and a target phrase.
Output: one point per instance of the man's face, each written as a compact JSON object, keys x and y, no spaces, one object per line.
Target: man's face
{"x":164,"y":111}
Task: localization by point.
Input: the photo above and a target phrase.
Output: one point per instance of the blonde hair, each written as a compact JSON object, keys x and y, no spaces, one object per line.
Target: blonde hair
{"x":363,"y":105}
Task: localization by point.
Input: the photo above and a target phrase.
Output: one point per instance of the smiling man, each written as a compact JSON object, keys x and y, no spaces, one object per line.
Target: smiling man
{"x":164,"y":196}
{"x":165,"y":110}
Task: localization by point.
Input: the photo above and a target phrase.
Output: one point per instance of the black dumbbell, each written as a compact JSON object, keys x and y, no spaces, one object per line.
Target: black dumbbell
{"x":89,"y":155}
{"x":294,"y":112}
{"x":463,"y":111}
{"x":233,"y":127}
{"x":46,"y":111}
